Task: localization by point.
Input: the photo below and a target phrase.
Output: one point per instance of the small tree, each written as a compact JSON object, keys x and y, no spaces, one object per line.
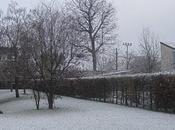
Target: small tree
{"x":149,"y":45}
{"x":12,"y":26}
{"x":53,"y":50}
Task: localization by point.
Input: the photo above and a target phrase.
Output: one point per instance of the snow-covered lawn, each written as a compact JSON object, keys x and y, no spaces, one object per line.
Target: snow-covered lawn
{"x":75,"y":114}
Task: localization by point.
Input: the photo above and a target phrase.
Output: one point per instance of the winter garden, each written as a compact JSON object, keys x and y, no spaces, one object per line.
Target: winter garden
{"x":60,"y":70}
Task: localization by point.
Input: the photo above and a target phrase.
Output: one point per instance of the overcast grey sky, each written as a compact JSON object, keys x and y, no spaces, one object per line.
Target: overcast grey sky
{"x":133,"y":15}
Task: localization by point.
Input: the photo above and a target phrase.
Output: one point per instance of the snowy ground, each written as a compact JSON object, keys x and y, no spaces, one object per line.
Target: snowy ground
{"x":75,"y":114}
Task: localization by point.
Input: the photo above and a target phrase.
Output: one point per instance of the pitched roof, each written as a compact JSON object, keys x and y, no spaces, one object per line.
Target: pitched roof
{"x":169,"y":44}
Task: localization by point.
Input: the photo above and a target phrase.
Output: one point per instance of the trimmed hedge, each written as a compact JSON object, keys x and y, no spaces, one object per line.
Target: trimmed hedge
{"x":148,"y":91}
{"x":153,"y":92}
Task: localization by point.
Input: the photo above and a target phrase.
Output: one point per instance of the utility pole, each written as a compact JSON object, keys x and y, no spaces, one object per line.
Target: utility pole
{"x":127,"y":53}
{"x":116,"y":59}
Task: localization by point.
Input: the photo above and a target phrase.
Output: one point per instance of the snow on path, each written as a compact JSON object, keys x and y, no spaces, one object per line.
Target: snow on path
{"x":75,"y":114}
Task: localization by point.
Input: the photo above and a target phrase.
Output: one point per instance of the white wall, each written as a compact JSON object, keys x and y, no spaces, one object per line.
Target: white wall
{"x":167,"y":58}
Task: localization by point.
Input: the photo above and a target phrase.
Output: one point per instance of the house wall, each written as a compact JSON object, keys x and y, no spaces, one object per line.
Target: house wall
{"x":167,"y":58}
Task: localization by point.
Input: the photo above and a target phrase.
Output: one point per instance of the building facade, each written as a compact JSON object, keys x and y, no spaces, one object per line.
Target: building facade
{"x":167,"y":56}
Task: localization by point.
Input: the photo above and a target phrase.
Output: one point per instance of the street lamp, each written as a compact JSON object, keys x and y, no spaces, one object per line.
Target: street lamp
{"x":127,"y":53}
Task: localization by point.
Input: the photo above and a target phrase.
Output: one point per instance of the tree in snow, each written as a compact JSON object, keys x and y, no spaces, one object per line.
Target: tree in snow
{"x":94,"y":24}
{"x":53,"y":52}
{"x":12,"y":26}
{"x":149,"y":45}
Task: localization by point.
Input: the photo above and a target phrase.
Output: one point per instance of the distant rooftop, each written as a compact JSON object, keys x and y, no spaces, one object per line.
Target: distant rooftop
{"x":169,"y":44}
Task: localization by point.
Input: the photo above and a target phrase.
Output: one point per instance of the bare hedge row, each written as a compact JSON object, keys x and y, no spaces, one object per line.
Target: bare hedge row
{"x":154,"y":92}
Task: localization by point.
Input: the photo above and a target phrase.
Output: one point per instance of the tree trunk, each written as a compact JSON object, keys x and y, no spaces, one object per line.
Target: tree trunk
{"x":38,"y":100}
{"x":11,"y":89}
{"x":24,"y":91}
{"x":16,"y":87}
{"x":50,"y":100}
{"x":17,"y":92}
{"x":94,"y":60}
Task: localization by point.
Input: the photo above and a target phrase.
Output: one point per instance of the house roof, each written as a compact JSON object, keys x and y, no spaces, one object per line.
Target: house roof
{"x":169,"y":44}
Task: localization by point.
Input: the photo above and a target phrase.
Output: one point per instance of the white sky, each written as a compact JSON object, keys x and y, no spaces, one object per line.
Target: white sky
{"x":133,"y":15}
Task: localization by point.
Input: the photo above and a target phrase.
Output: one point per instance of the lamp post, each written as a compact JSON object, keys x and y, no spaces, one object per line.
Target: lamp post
{"x":116,"y":59}
{"x":127,"y":53}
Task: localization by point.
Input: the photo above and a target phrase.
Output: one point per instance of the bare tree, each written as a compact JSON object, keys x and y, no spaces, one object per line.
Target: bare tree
{"x":53,"y":50}
{"x":95,"y":25}
{"x":138,"y":64}
{"x":149,"y":45}
{"x":12,"y":29}
{"x":25,"y":56}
